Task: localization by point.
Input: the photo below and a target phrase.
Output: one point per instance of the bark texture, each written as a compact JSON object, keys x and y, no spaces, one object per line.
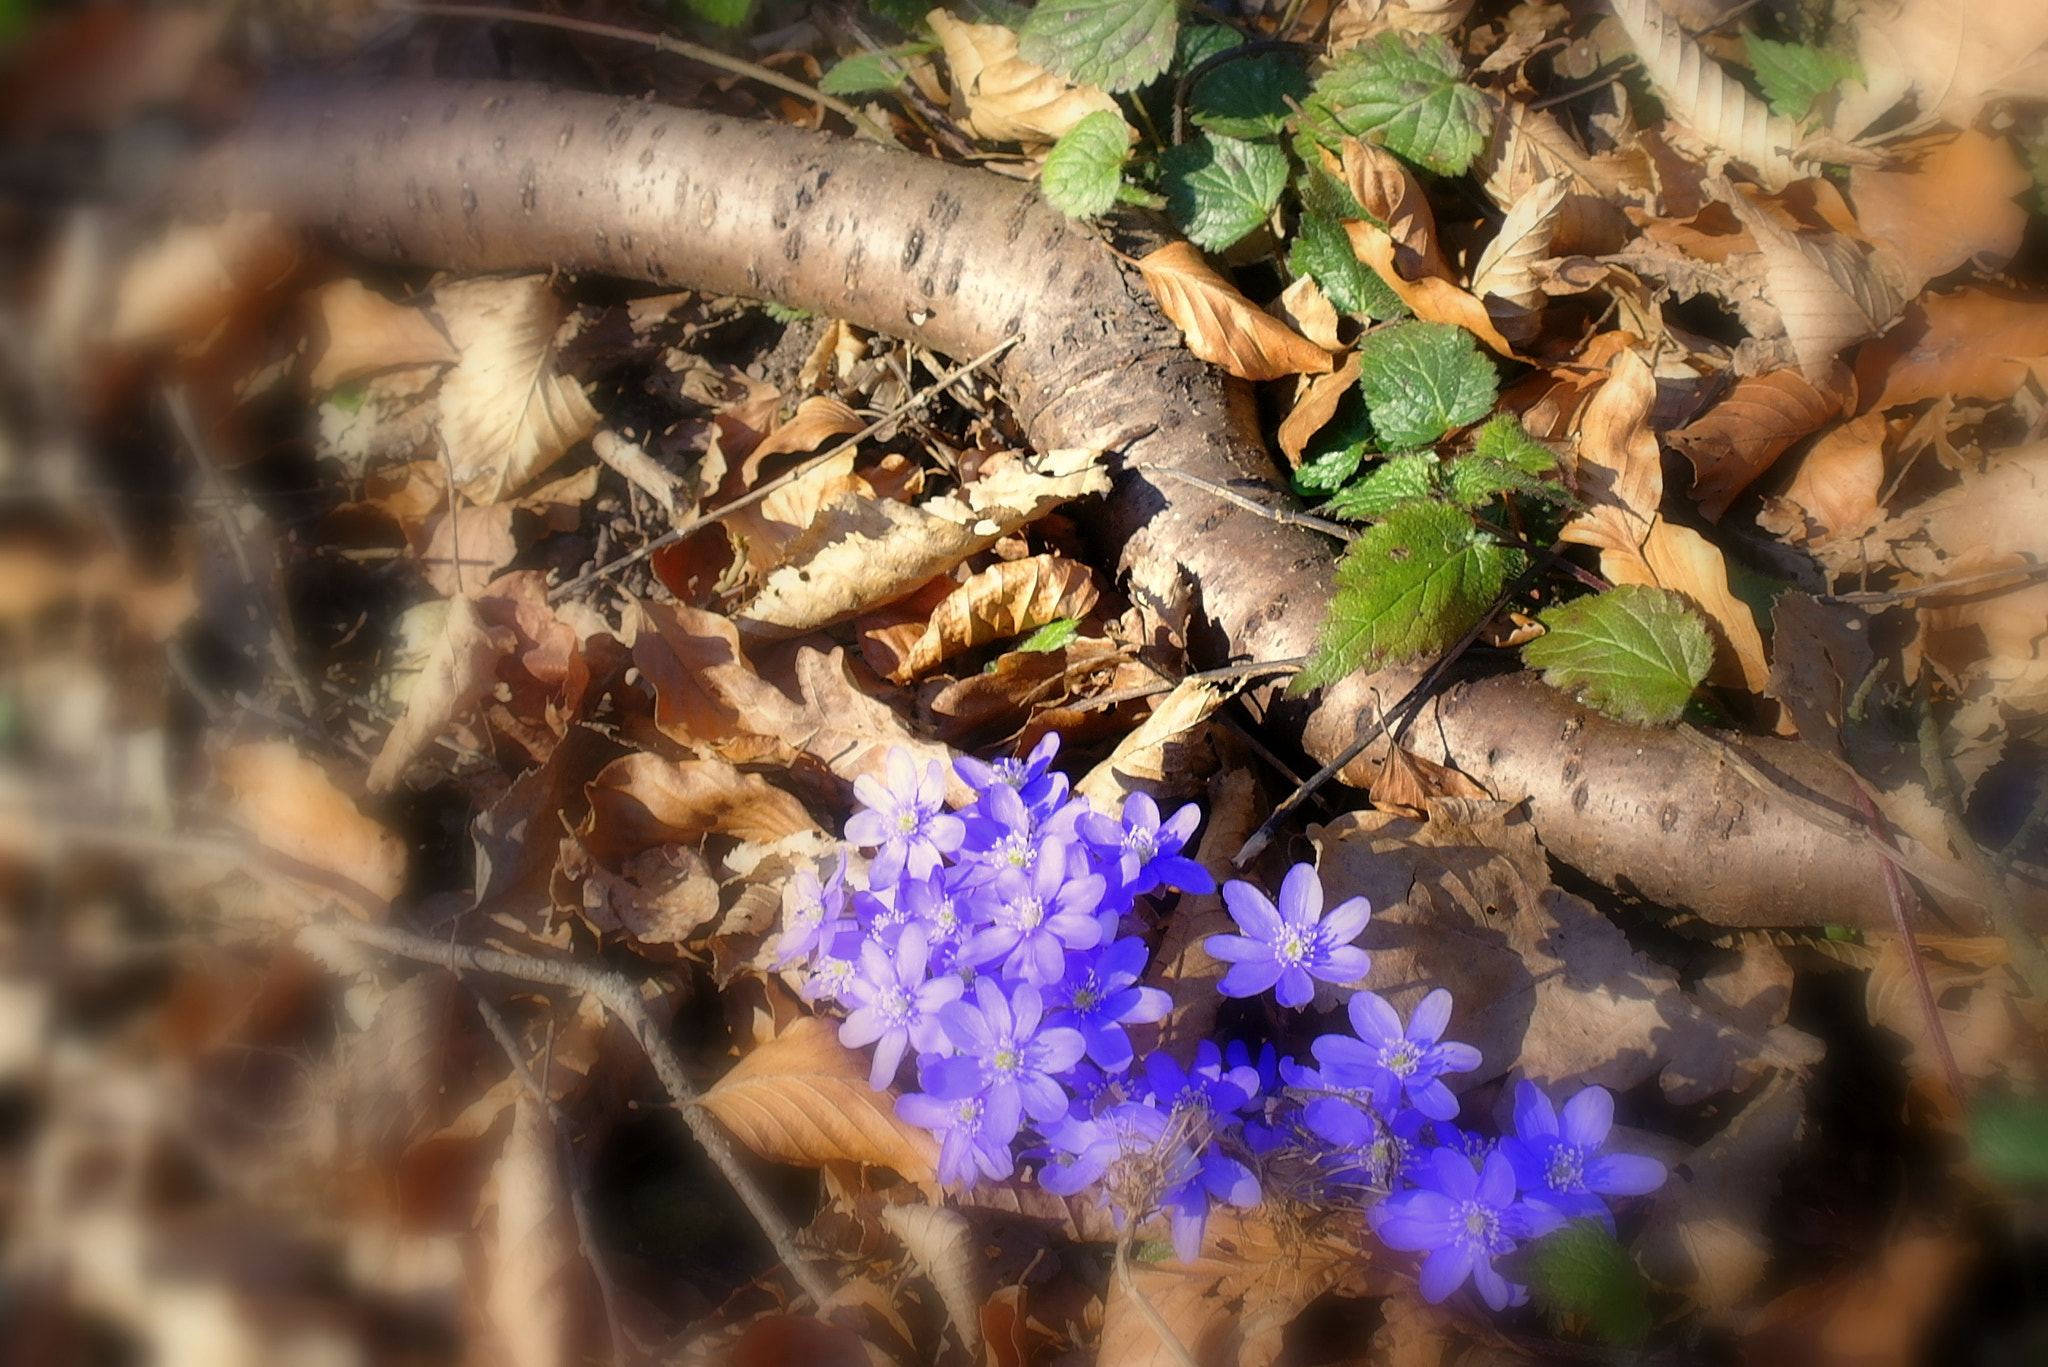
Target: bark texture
{"x":487,"y":176}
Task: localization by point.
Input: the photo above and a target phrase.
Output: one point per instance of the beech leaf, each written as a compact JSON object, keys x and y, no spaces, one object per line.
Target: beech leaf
{"x":1707,"y":99}
{"x":1740,"y":437}
{"x":1222,"y":326}
{"x":362,"y":333}
{"x":1006,"y":599}
{"x":1011,"y":97}
{"x":1114,"y":44}
{"x":295,"y":811}
{"x":1632,"y":652}
{"x":1507,"y":268}
{"x":1220,"y":189}
{"x":537,"y":1265}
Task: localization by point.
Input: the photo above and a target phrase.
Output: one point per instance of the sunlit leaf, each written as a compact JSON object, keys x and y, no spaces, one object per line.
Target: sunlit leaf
{"x":1219,"y":189}
{"x":1114,"y":44}
{"x":1423,"y":379}
{"x":1634,"y":652}
{"x":1408,"y":91}
{"x":1084,"y":170}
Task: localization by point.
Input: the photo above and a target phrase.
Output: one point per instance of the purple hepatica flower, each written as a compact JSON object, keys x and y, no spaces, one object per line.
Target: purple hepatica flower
{"x":1148,"y":853}
{"x":1463,"y":1219}
{"x":894,"y":1006}
{"x":1011,"y":1058}
{"x":1035,"y":918}
{"x":1561,"y":1166}
{"x":1040,"y":790}
{"x":1094,"y":1146}
{"x":1187,"y":1201}
{"x":832,"y":967}
{"x":1096,"y":996}
{"x":1284,"y":948}
{"x":905,"y":822}
{"x":970,"y":1145}
{"x":947,"y":915}
{"x":1204,"y":1088}
{"x":1390,"y":1060}
{"x":811,"y":912}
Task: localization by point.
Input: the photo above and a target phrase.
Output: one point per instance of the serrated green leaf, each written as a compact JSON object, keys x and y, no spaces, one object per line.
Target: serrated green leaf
{"x":1478,"y":480}
{"x":1503,"y":438}
{"x":2009,"y":1141}
{"x":1248,"y":97}
{"x":1322,"y":251}
{"x":1635,"y":652}
{"x":1219,"y":189}
{"x":1052,"y":636}
{"x":1579,"y":1269}
{"x":1408,"y":92}
{"x":1199,"y":42}
{"x":783,"y":313}
{"x":1409,"y":477}
{"x":1085,"y":168}
{"x":1423,"y":379}
{"x":728,"y":13}
{"x":1794,"y":75}
{"x":884,"y":70}
{"x":1410,"y":586}
{"x":1323,"y":193}
{"x":1325,"y":473}
{"x":1114,"y":44}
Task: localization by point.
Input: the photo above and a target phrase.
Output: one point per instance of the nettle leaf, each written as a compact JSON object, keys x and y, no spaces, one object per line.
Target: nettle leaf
{"x":1410,"y":477}
{"x":1220,"y":189}
{"x":1636,"y":653}
{"x":1052,"y":636}
{"x":1581,"y":1270}
{"x":1085,"y":168}
{"x":1504,"y":439}
{"x":1199,"y":42}
{"x":1408,"y":91}
{"x":2009,"y":1141}
{"x":1477,"y":480}
{"x":1423,"y":379}
{"x":1794,"y":75}
{"x":1322,"y":251}
{"x":1410,"y":586}
{"x":725,"y":12}
{"x":1322,"y":193}
{"x":1329,"y":471}
{"x":1248,"y":97}
{"x":884,"y":70}
{"x":1113,"y":44}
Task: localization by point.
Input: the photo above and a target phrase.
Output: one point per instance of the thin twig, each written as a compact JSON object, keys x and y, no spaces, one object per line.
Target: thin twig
{"x":1266,"y":510}
{"x":1167,"y":685}
{"x":747,"y":500}
{"x":1597,"y":83}
{"x":1167,"y":1338}
{"x":661,"y":42}
{"x":2018,"y":574}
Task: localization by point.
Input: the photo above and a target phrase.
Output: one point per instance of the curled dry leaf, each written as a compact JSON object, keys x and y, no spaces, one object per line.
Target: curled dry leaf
{"x":1529,"y":146}
{"x":1432,"y":299}
{"x":362,"y":332}
{"x":1955,"y":207}
{"x":1834,"y":491}
{"x":294,"y":810}
{"x":1707,"y":99}
{"x":803,"y":1098}
{"x":536,"y":1263}
{"x":1973,"y":344}
{"x":186,"y":287}
{"x":1406,"y":782}
{"x":1316,"y":406}
{"x":1007,"y":98}
{"x":459,"y":668}
{"x":1162,"y":757}
{"x":1744,"y":434}
{"x":464,"y":548}
{"x":641,"y":470}
{"x":1385,"y":188}
{"x":1955,"y":58}
{"x":1302,"y":307}
{"x":943,"y":1246}
{"x":642,"y":801}
{"x":1006,"y":599}
{"x":1972,"y":981}
{"x":1506,"y":278}
{"x":506,"y":412}
{"x":1221,"y":325}
{"x":816,"y":421}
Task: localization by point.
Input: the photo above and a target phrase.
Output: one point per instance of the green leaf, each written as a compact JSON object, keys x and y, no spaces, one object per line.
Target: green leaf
{"x":783,"y":313}
{"x":1635,"y":652}
{"x":1580,"y":1270}
{"x":1328,"y":472}
{"x":1322,"y":193}
{"x":1478,"y":480}
{"x":349,"y":397}
{"x":1409,"y":90}
{"x":1247,"y":97}
{"x":1052,"y":636}
{"x":1410,"y":586}
{"x":1423,"y":379}
{"x":1219,"y":189}
{"x":2009,"y":1141}
{"x":1406,"y":478}
{"x":1503,"y":438}
{"x":726,"y":12}
{"x":884,"y":70}
{"x":1794,"y":75}
{"x":1199,"y":42}
{"x":1115,"y":44}
{"x":1085,"y":168}
{"x":1322,"y":251}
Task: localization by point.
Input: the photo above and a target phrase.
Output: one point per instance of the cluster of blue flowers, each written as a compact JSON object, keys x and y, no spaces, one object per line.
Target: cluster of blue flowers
{"x":995,"y":951}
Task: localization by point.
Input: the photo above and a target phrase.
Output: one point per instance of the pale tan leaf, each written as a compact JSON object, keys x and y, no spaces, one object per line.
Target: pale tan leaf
{"x":362,"y":333}
{"x":685,"y":653}
{"x":294,"y":810}
{"x":1220,"y":325}
{"x":767,"y":528}
{"x":660,"y":896}
{"x":1007,"y":98}
{"x":1314,"y":409}
{"x":1434,"y":300}
{"x":943,"y":1246}
{"x":183,"y":289}
{"x":641,"y":470}
{"x":816,"y":420}
{"x":641,"y":801}
{"x":1744,"y":434}
{"x":1507,"y":268}
{"x":839,"y":725}
{"x":506,"y":412}
{"x":1529,"y":146}
{"x":1006,"y":599}
{"x":1968,"y":976}
{"x":863,"y":553}
{"x":1827,"y":291}
{"x":1163,"y":757}
{"x":1385,"y":188}
{"x":1973,"y":344}
{"x":1713,"y":104}
{"x":1835,"y":490}
{"x":1954,"y":207}
{"x":465,"y":548}
{"x":804,"y":1098}
{"x":1428,"y":16}
{"x":460,"y":666}
{"x":1619,"y":466}
{"x":1957,"y":57}
{"x":536,"y":1265}
{"x":1302,"y":307}
{"x":1406,"y":782}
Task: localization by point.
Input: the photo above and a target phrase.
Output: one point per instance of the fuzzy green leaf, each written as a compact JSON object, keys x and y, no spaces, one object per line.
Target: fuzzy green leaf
{"x":1248,"y":97}
{"x":1409,"y":477}
{"x":1322,"y":251}
{"x":1580,"y":1270}
{"x":1085,"y":168}
{"x":1052,"y":636}
{"x":727,"y":13}
{"x":1322,"y":193}
{"x":1478,"y":480}
{"x":1423,"y":379}
{"x":1219,"y":189}
{"x":1406,"y":90}
{"x":1503,"y":438}
{"x":1635,"y":653}
{"x":1199,"y":42}
{"x":1114,"y":44}
{"x":1410,"y":586}
{"x":2009,"y":1141}
{"x":884,"y":70}
{"x":1794,"y":75}
{"x":1324,"y":473}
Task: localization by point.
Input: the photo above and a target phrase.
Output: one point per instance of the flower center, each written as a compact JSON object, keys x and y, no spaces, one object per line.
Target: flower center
{"x":1401,"y":1059}
{"x":1086,"y":999}
{"x":1567,"y":1168}
{"x":1006,"y":1060}
{"x":1141,"y":844}
{"x":968,"y":1111}
{"x":1293,"y":947}
{"x":896,"y":1006}
{"x":1481,"y":1225}
{"x":1017,"y":851}
{"x":907,"y":822}
{"x":1027,"y":912}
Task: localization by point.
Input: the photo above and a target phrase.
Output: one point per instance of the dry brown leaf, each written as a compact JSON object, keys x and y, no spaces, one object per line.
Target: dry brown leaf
{"x":506,"y":412}
{"x":1834,"y":491}
{"x":838,"y":724}
{"x":362,"y":333}
{"x":767,"y":528}
{"x":1713,"y":104}
{"x":684,"y":652}
{"x":1315,"y":407}
{"x":1406,"y":782}
{"x":1973,"y":344}
{"x":1385,"y":188}
{"x":1006,"y":599}
{"x":1744,"y":434}
{"x":1434,"y":300}
{"x":641,"y":470}
{"x":1881,"y":1311}
{"x":536,"y":1262}
{"x":460,"y":667}
{"x":1828,"y":293}
{"x":1954,"y":58}
{"x":660,"y":896}
{"x":1302,"y":307}
{"x":185,"y":288}
{"x":642,"y":801}
{"x":943,"y":1246}
{"x":463,"y":550}
{"x":817,"y":420}
{"x":1007,"y":99}
{"x":1428,"y":16}
{"x":803,"y":1098}
{"x":1954,"y":208}
{"x":1507,"y":268}
{"x":1163,"y":757}
{"x":1974,"y":988}
{"x":294,"y":810}
{"x":1530,"y":146}
{"x":1220,"y":325}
